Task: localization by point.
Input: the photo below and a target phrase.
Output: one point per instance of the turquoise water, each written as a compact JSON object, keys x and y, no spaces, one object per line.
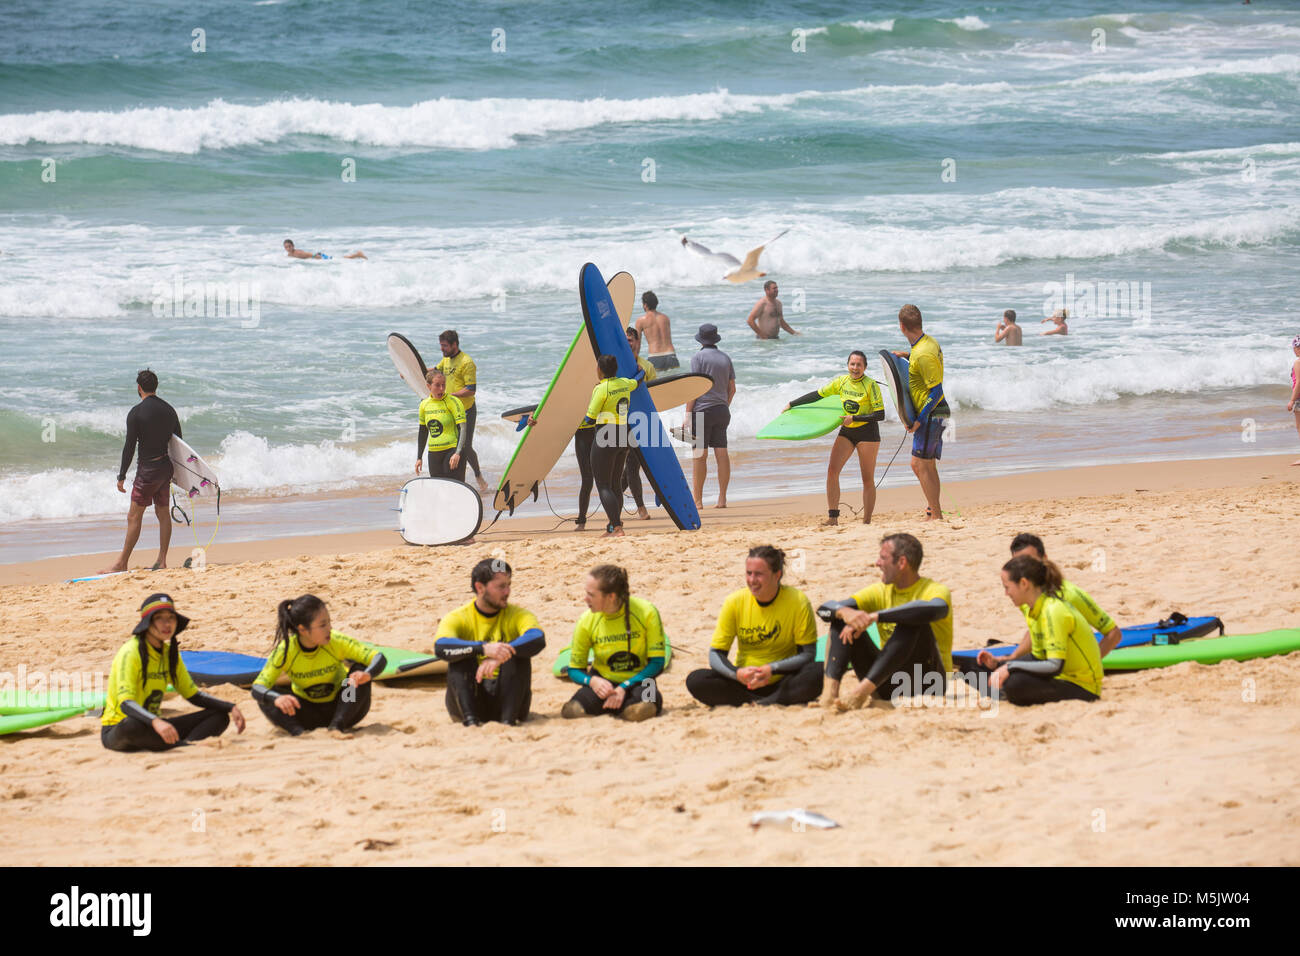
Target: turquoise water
{"x":1152,"y":145}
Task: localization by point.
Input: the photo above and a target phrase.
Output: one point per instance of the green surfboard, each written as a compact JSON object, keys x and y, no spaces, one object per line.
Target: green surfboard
{"x":1242,"y":647}
{"x":872,"y":632}
{"x":561,"y":666}
{"x":11,"y":723}
{"x":14,"y":702}
{"x":806,"y":421}
{"x":399,"y":662}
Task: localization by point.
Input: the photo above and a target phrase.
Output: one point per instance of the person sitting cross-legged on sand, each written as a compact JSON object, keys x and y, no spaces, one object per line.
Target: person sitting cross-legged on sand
{"x":774,"y":625}
{"x":915,"y":615}
{"x":329,"y":672}
{"x":625,"y":640}
{"x":142,"y":669}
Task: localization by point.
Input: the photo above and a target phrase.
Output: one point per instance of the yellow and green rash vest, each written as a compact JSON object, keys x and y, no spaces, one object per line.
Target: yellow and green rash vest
{"x":619,"y":652}
{"x":468,"y":623}
{"x":1057,"y":631}
{"x":881,"y":596}
{"x":316,"y":674}
{"x":857,"y":398}
{"x":924,"y":372}
{"x":767,"y":633}
{"x":650,"y":371}
{"x":610,"y":400}
{"x":443,"y":416}
{"x":126,"y":682}
{"x":461,"y":373}
{"x":1079,"y":599}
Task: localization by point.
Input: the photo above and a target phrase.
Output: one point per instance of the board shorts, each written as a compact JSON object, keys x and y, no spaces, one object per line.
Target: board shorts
{"x":321,"y":255}
{"x":868,"y":431}
{"x":927,"y":441}
{"x":152,"y":483}
{"x":713,"y":422}
{"x":664,"y":361}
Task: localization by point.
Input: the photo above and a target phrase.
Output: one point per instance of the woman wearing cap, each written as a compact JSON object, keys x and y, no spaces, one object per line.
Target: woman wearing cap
{"x":1294,"y":404}
{"x":330,"y":672}
{"x":142,"y":669}
{"x":1059,"y":317}
{"x":863,"y":408}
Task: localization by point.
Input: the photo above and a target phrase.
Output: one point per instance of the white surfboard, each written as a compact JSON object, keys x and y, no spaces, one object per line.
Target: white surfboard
{"x":667,"y":392}
{"x":438,"y":511}
{"x":409,"y":364}
{"x":190,"y":473}
{"x":561,"y":410}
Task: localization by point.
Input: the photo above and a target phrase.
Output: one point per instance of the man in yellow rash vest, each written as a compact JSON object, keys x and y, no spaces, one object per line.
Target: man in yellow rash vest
{"x":776,"y":662}
{"x":915,"y":655}
{"x":462,"y":384}
{"x":925,"y":385}
{"x":488,"y":645}
{"x":625,"y":639}
{"x":1065,"y":662}
{"x":142,"y":669}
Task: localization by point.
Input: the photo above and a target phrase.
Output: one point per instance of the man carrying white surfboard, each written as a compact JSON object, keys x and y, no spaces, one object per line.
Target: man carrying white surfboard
{"x":149,"y":424}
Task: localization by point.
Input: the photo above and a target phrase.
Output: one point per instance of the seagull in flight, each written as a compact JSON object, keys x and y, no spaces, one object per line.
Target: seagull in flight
{"x":740,"y":271}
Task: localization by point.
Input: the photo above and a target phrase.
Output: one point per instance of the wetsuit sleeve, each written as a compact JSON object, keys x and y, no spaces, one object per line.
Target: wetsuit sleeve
{"x":529,"y":643}
{"x":805,"y":398}
{"x":208,"y":702}
{"x":132,"y":709}
{"x":656,"y":649}
{"x":870,"y":417}
{"x":721,"y":664}
{"x":935,"y":397}
{"x":422,"y":440}
{"x":128,"y":446}
{"x":264,"y":684}
{"x":377,"y":665}
{"x":807,"y":654}
{"x":346,"y":647}
{"x":653,"y":668}
{"x":579,"y":648}
{"x":915,"y":612}
{"x":827,"y":611}
{"x":452,"y":649}
{"x":1048,"y":668}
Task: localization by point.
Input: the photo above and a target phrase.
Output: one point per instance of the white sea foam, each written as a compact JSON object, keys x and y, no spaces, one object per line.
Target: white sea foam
{"x":971,"y":22}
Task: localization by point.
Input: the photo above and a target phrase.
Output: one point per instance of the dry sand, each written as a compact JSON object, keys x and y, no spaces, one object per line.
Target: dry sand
{"x":1188,"y":765}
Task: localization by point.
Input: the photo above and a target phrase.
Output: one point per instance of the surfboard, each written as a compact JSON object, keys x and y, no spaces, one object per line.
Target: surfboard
{"x":806,"y":421}
{"x":1240,"y":647}
{"x":190,"y":473}
{"x":222,"y":667}
{"x":399,"y":662}
{"x":872,"y":632}
{"x":13,"y":702}
{"x":561,"y":666}
{"x":668,"y":392}
{"x":895,"y":376}
{"x":655,"y":450}
{"x":11,"y":723}
{"x":1192,"y":627}
{"x":561,"y":409}
{"x":409,"y":364}
{"x":438,"y":511}
{"x":98,"y":577}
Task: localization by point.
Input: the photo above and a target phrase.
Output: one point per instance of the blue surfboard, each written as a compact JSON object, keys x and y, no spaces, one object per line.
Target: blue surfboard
{"x":896,"y":372}
{"x":657,"y":454}
{"x":1159,"y":633}
{"x":222,"y":667}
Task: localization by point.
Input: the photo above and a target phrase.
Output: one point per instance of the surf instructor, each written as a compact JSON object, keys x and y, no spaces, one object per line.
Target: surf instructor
{"x":925,"y":384}
{"x":150,"y":424}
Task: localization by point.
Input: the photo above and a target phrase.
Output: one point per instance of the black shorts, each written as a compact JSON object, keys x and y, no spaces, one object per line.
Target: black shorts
{"x":868,"y":431}
{"x":711,"y":426}
{"x":665,"y":362}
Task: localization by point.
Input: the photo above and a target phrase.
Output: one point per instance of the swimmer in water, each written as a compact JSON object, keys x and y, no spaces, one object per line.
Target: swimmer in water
{"x":299,"y":254}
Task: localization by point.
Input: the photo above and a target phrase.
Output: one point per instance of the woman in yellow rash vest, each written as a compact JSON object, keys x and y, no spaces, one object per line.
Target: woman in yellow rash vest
{"x":142,"y":669}
{"x":442,"y":430}
{"x":626,"y":639}
{"x":330,"y":672}
{"x":608,"y":412}
{"x":863,"y":409}
{"x":1065,"y":662}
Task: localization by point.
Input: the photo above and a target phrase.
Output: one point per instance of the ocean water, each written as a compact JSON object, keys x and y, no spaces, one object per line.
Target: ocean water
{"x":966,"y":158}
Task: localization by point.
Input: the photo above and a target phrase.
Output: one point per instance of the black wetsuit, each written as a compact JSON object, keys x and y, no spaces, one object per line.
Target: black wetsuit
{"x":346,"y":710}
{"x":909,"y":662}
{"x":150,"y":424}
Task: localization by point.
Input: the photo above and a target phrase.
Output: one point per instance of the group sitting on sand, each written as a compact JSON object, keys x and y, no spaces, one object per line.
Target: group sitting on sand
{"x":619,"y":648}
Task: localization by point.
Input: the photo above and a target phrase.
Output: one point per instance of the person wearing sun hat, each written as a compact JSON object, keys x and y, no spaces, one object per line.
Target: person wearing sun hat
{"x":708,"y":416}
{"x":142,"y":669}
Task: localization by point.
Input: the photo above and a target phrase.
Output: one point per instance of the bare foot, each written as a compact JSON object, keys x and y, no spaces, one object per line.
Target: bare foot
{"x":699,"y":503}
{"x":482,"y":485}
{"x":113,"y":569}
{"x":831,"y":523}
{"x":1295,"y":463}
{"x":340,"y":734}
{"x":722,"y":503}
{"x":159,"y":566}
{"x":643,"y":514}
{"x":827,"y":700}
{"x":580,"y":526}
{"x":616,"y":533}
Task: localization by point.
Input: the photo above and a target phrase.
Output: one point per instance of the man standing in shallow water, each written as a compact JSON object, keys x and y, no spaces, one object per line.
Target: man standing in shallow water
{"x":767,"y":318}
{"x":658,"y":333}
{"x":1007,"y":332}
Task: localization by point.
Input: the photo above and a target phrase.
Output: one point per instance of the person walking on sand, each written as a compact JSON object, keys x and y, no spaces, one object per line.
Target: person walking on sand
{"x":656,"y":328}
{"x":925,"y":385}
{"x":709,"y":415}
{"x":293,"y":252}
{"x":767,"y":317}
{"x":608,"y":412}
{"x":1059,"y":317}
{"x":1293,"y":406}
{"x":1007,"y":332}
{"x":462,"y":382}
{"x":149,"y":424}
{"x":863,"y":409}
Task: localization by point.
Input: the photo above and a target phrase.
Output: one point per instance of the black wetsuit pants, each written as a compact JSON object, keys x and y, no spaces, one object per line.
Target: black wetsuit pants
{"x":608,"y":462}
{"x":632,"y":479}
{"x":583,"y":439}
{"x":709,"y":687}
{"x":470,"y":455}
{"x":344,"y":711}
{"x":129,"y":734}
{"x":647,"y":690}
{"x":505,"y":698}
{"x":440,"y":464}
{"x":904,"y":665}
{"x":1027,"y":689}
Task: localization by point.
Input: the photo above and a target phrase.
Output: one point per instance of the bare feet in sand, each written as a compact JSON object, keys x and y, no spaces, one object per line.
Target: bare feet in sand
{"x":642,"y":513}
{"x":614,"y":533}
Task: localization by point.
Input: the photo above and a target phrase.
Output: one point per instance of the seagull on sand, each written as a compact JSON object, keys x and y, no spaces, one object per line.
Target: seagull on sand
{"x":741,"y":271}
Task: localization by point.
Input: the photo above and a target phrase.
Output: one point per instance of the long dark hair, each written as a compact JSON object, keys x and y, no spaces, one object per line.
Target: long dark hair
{"x":611,"y":579}
{"x":173,"y":655}
{"x":1044,"y":574}
{"x":292,"y":614}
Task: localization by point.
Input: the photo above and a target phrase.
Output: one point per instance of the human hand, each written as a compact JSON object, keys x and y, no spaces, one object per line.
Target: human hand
{"x":165,"y":730}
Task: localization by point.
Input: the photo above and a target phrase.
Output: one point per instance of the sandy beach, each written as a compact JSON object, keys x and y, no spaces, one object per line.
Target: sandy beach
{"x":1190,"y":765}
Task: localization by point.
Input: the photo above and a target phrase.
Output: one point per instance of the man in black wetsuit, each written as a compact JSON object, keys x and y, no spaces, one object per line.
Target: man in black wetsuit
{"x":150,"y":424}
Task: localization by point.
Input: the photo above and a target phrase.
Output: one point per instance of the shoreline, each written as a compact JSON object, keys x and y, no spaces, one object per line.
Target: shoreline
{"x":1075,"y":482}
